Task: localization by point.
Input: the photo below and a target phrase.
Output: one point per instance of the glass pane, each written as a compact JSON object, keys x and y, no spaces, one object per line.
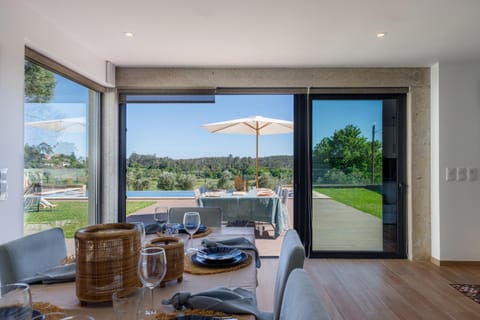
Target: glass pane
{"x":56,"y":151}
{"x":347,"y":175}
{"x":172,"y":161}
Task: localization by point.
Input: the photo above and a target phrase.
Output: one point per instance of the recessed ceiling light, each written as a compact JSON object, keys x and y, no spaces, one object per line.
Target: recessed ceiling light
{"x":381,"y":34}
{"x":128,"y":34}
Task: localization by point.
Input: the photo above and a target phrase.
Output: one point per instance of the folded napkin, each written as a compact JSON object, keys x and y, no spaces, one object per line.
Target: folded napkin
{"x":236,"y":301}
{"x":239,"y":243}
{"x":152,"y":228}
{"x":61,"y":273}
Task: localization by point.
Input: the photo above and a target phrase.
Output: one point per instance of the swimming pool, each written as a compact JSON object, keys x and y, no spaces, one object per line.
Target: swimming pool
{"x":130,"y":194}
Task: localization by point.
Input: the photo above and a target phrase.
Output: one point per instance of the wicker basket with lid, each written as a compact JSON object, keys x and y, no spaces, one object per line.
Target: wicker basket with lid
{"x":175,"y":255}
{"x":107,"y":258}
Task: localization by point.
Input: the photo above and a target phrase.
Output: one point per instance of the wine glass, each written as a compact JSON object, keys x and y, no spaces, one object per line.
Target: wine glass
{"x":152,"y":266}
{"x":191,"y":223}
{"x":15,"y":301}
{"x":161,"y":216}
{"x":140,"y":227}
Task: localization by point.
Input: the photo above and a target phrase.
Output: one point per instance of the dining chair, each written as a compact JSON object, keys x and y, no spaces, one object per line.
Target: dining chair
{"x":300,"y":300}
{"x":209,"y":216}
{"x":26,"y":256}
{"x":292,"y":256}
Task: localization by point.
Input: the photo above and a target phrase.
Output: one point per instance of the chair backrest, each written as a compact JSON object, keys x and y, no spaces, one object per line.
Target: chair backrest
{"x":300,"y":301}
{"x":25,"y":257}
{"x":209,"y":216}
{"x":292,"y":256}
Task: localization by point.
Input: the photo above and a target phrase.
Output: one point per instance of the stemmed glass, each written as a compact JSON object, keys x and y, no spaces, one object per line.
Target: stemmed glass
{"x":161,"y":216}
{"x":152,"y":265}
{"x":140,"y":227}
{"x":191,"y":223}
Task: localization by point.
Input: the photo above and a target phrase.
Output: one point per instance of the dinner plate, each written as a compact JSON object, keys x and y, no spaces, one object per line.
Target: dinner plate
{"x":218,"y":253}
{"x":12,"y":312}
{"x":219,"y":263}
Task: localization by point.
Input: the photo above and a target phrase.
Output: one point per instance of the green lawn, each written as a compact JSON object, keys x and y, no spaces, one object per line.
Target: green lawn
{"x":362,"y":199}
{"x":72,"y":215}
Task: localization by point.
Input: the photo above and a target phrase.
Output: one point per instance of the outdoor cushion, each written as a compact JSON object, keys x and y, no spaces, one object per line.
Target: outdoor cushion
{"x":27,"y":256}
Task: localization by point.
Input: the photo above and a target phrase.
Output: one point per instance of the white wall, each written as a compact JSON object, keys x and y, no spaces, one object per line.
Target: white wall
{"x":20,"y":26}
{"x":458,"y":207}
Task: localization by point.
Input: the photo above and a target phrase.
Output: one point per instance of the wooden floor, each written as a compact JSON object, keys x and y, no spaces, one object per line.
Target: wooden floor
{"x":382,"y":289}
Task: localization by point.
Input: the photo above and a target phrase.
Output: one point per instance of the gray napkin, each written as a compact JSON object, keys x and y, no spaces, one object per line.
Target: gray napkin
{"x":239,"y":243}
{"x":152,"y":228}
{"x":236,"y":301}
{"x":60,"y":273}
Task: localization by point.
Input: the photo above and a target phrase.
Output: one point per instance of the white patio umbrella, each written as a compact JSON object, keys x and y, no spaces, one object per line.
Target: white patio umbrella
{"x":254,"y":125}
{"x":58,"y":125}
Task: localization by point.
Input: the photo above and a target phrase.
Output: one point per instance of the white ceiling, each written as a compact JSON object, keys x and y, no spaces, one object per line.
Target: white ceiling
{"x":271,"y":33}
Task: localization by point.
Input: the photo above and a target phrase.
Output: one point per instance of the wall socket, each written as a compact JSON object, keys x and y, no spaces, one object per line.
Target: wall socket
{"x":461,"y":174}
{"x":472,"y":174}
{"x":451,"y":174}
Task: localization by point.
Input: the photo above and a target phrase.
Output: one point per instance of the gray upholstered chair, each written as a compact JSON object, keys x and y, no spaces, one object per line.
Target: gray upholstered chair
{"x":209,"y":216}
{"x":292,"y":256}
{"x":300,"y":301}
{"x":25,"y":257}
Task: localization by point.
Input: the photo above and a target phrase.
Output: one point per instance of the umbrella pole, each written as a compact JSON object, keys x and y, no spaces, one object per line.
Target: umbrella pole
{"x":256,"y":156}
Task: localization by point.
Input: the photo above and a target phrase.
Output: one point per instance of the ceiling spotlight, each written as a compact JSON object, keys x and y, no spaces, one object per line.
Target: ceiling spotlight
{"x":381,"y":34}
{"x":128,"y":34}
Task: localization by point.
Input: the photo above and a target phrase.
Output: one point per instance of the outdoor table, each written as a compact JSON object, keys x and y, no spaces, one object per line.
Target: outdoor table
{"x":249,"y":207}
{"x":63,"y":294}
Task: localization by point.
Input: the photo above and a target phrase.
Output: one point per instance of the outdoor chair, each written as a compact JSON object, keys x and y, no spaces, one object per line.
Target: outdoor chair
{"x":300,"y":301}
{"x":209,"y":216}
{"x":25,"y":257}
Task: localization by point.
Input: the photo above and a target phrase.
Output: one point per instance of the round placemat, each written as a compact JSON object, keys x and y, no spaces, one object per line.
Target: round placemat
{"x":203,"y":234}
{"x":192,"y":268}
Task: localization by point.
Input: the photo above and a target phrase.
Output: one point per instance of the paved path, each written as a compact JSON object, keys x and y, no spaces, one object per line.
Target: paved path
{"x":339,"y":227}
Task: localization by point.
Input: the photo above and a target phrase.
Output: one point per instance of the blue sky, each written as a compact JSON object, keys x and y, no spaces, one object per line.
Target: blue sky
{"x":331,"y":115}
{"x":174,"y":130}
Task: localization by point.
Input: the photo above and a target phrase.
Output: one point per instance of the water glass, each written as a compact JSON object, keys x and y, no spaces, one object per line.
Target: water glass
{"x":15,"y":302}
{"x":126,"y":302}
{"x":161,"y":216}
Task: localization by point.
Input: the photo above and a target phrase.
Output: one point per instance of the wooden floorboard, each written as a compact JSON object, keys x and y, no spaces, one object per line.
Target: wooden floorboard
{"x":382,"y":289}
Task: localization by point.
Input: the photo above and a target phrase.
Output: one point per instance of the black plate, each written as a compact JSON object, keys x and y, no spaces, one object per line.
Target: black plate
{"x":181,"y":229}
{"x":219,"y":264}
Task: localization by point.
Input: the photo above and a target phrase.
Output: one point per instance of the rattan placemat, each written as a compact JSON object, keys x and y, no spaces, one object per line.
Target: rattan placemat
{"x":203,"y":234}
{"x":192,"y":268}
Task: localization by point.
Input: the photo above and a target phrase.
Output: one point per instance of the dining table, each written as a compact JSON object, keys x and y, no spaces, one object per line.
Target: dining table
{"x":63,"y":295}
{"x":248,"y":206}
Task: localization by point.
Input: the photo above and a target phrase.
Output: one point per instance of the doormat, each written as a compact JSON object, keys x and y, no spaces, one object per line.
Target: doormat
{"x":470,"y":290}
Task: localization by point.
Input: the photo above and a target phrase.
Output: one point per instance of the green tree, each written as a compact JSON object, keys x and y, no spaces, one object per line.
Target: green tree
{"x":166,"y":181}
{"x":346,"y":157}
{"x":185,"y":182}
{"x":39,"y":83}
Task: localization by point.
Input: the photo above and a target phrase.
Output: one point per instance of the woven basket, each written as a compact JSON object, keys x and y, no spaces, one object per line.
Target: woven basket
{"x":174,"y":253}
{"x":107,"y":259}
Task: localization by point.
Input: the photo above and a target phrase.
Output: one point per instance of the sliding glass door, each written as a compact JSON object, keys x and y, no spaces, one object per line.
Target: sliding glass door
{"x":356,"y":173}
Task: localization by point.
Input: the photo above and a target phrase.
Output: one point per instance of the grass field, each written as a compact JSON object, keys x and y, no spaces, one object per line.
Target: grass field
{"x":359,"y":198}
{"x":72,"y":215}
